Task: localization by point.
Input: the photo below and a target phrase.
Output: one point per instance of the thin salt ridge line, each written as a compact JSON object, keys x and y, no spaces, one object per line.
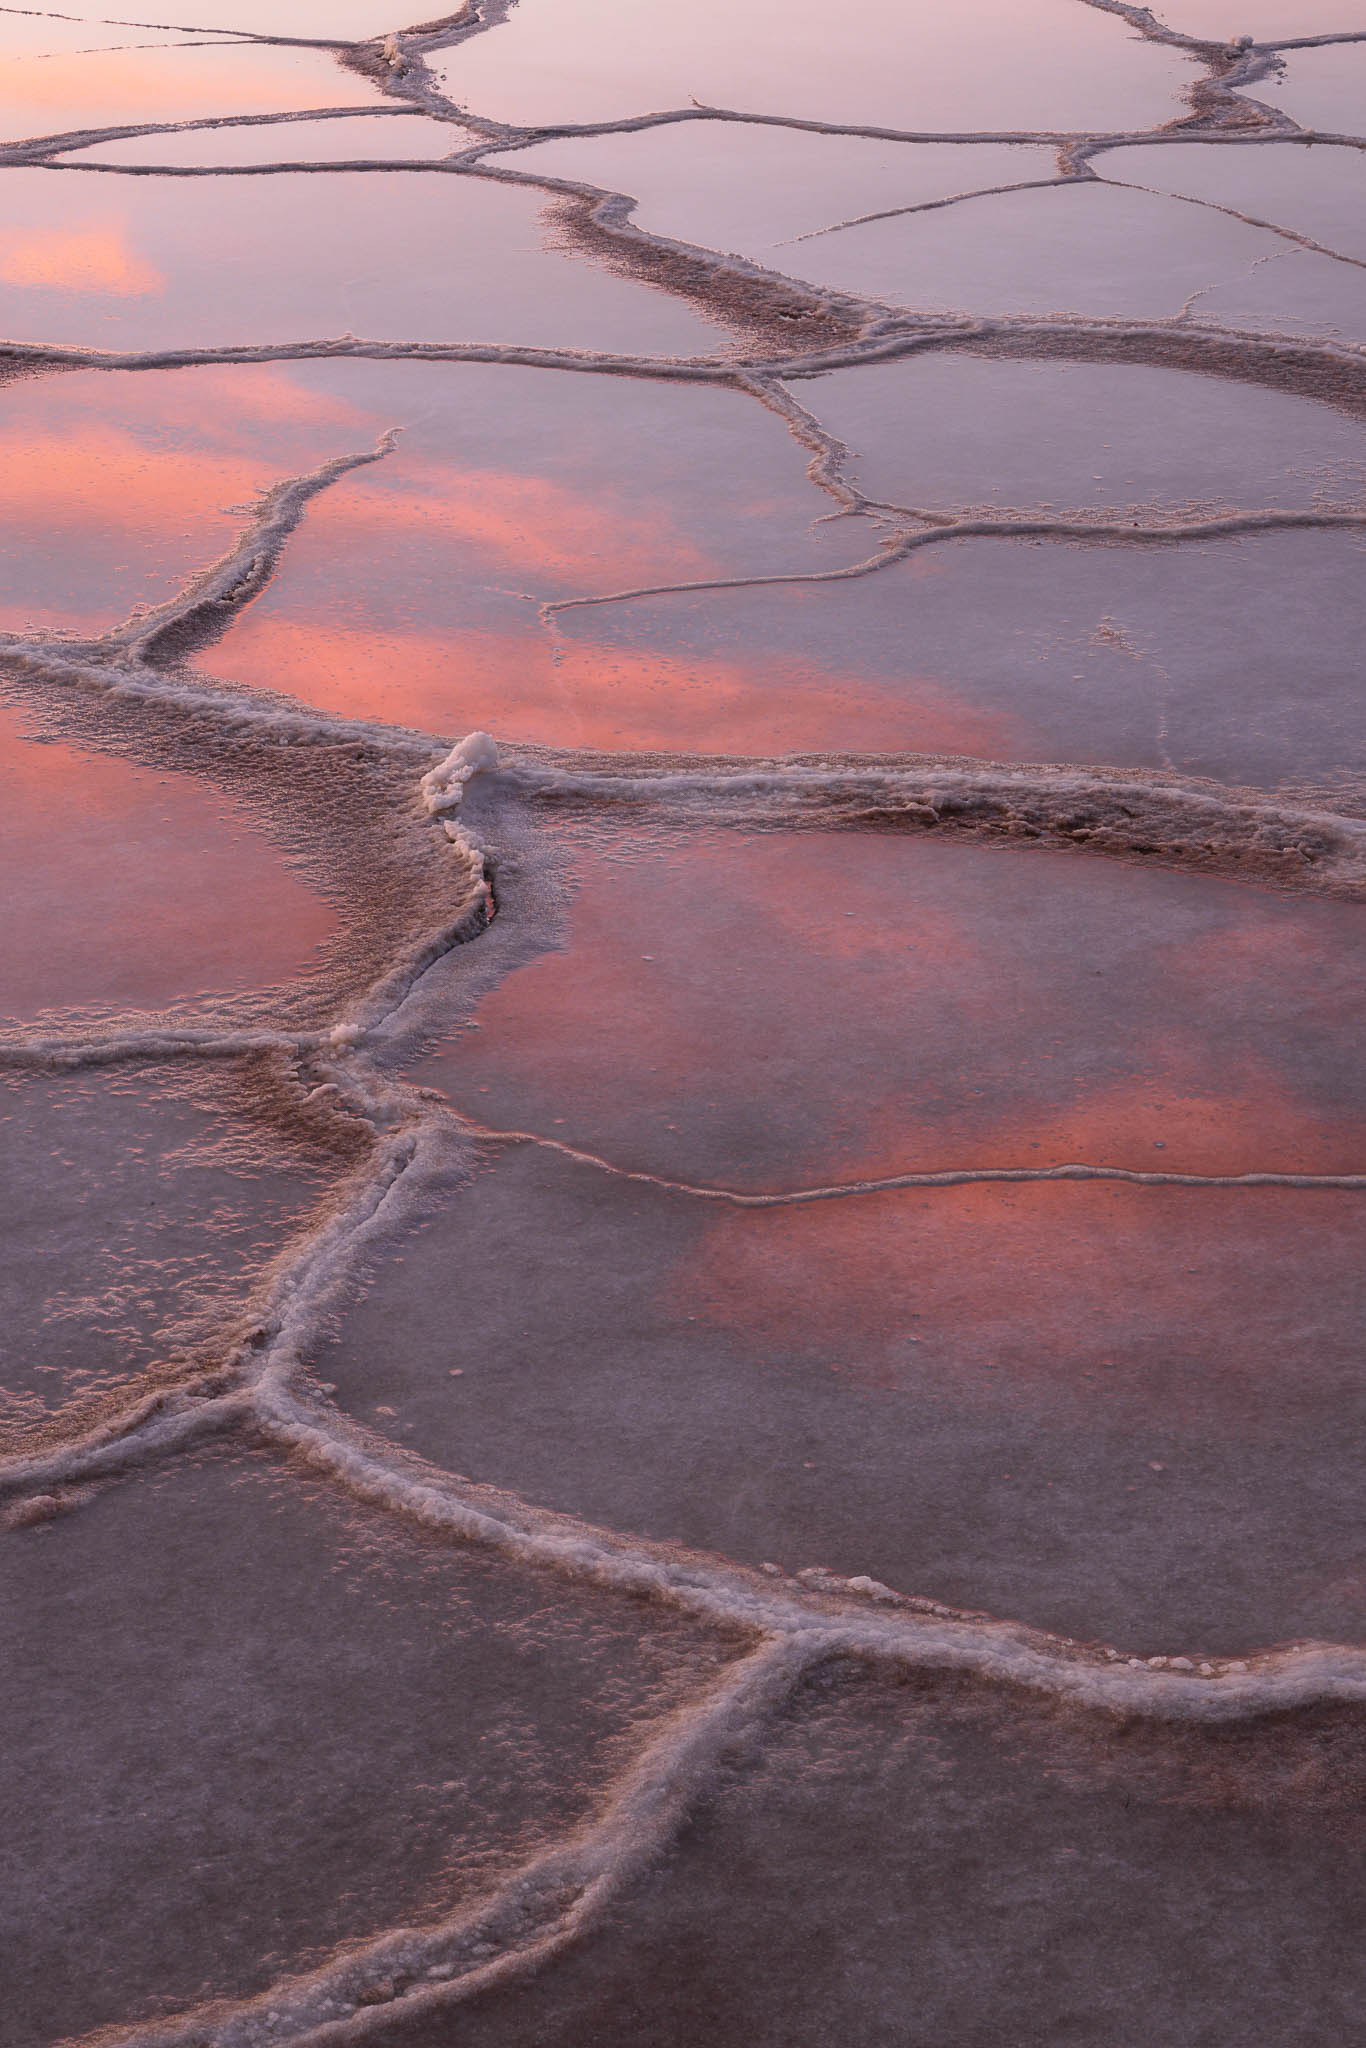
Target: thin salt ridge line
{"x":17,"y":154}
{"x":53,"y":1051}
{"x":285,"y":167}
{"x":1080,"y":140}
{"x":896,"y":548}
{"x":552,"y":1903}
{"x":549,"y":1904}
{"x":1082,"y":176}
{"x":940,"y":1177}
{"x":1269,"y":227}
{"x":1229,"y":352}
{"x":203,"y":609}
{"x":245,"y":35}
{"x":1108,"y":813}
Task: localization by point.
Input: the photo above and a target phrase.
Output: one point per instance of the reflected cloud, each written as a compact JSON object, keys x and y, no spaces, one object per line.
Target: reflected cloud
{"x":542,"y":528}
{"x":930,"y":1007}
{"x":1171,"y":1301}
{"x":145,"y":490}
{"x":87,"y":843}
{"x":78,"y":260}
{"x":82,"y":88}
{"x":524,"y":687}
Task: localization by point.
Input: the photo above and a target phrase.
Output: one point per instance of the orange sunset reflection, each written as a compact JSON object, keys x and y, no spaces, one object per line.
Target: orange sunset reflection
{"x":930,"y":1005}
{"x":78,"y":260}
{"x":1241,"y":1306}
{"x":59,"y":91}
{"x":144,"y":488}
{"x":87,"y":843}
{"x":580,"y":693}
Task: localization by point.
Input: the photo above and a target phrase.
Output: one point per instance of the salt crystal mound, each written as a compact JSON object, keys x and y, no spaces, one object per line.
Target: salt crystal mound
{"x":444,"y":786}
{"x":288,"y":1723}
{"x":428,"y":914}
{"x":1001,"y":1873}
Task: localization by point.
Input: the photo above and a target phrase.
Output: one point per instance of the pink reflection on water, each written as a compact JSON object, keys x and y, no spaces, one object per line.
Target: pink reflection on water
{"x":50,"y":94}
{"x":1238,"y":1308}
{"x":78,"y":260}
{"x":90,"y":914}
{"x":590,"y":694}
{"x":137,"y":476}
{"x":802,"y":1009}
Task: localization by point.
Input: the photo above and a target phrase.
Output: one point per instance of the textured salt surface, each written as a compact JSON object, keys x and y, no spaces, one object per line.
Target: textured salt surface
{"x":933,"y":1010}
{"x":505,"y":1682}
{"x":1293,"y":292}
{"x":1084,"y":437}
{"x":1234,"y":658}
{"x":997,"y":1874}
{"x":283,"y":1722}
{"x":138,"y":1214}
{"x":930,"y":1007}
{"x":1128,"y":1414}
